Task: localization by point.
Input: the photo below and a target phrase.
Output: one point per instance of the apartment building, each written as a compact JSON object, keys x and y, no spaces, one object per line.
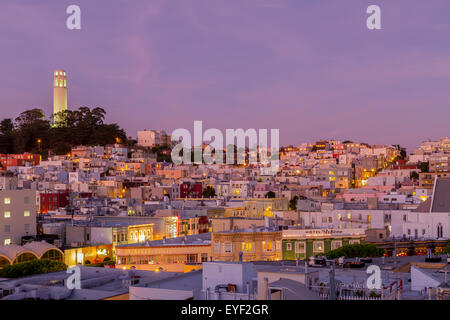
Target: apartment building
{"x":17,"y":215}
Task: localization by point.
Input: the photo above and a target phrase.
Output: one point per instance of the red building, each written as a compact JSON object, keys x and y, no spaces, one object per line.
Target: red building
{"x":53,"y":200}
{"x":14,"y":160}
{"x":191,"y":190}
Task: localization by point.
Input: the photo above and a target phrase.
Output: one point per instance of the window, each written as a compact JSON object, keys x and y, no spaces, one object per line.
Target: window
{"x":339,"y":217}
{"x":330,"y":219}
{"x":247,"y":247}
{"x":288,"y":246}
{"x":336,"y":244}
{"x":7,"y":214}
{"x":27,"y":227}
{"x":7,"y":228}
{"x":318,"y":246}
{"x":228,"y":247}
{"x":354,"y":241}
{"x":7,"y":242}
{"x":26,"y":213}
{"x":268,"y":246}
{"x":349,"y":216}
{"x":26,"y":200}
{"x":369,"y":218}
{"x":7,"y":200}
{"x":299,"y":247}
{"x":216,"y":247}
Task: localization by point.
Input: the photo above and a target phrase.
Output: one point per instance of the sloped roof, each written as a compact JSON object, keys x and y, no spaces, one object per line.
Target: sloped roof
{"x":424,"y":206}
{"x":441,"y":196}
{"x":295,"y":290}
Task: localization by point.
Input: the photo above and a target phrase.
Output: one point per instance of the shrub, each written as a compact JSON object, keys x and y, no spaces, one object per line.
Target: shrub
{"x":33,"y":267}
{"x":355,"y":250}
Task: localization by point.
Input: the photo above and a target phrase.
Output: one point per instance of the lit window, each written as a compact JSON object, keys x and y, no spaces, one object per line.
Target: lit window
{"x":318,"y":246}
{"x":267,"y":246}
{"x":26,"y":213}
{"x":247,"y":246}
{"x":7,"y":242}
{"x":7,"y":214}
{"x":7,"y":200}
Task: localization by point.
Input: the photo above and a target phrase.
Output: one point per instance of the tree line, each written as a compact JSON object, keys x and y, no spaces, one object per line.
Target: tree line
{"x":32,"y":132}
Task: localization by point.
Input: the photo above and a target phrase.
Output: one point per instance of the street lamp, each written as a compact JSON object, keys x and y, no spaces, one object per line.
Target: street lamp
{"x":39,"y":143}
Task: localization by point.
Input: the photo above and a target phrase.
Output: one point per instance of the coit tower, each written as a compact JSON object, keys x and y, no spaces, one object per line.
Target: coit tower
{"x":59,"y":92}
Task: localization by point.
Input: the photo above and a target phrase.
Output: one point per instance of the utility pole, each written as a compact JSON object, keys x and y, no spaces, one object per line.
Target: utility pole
{"x":332,"y":293}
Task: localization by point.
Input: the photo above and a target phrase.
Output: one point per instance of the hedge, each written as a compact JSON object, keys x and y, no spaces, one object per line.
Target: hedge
{"x":31,"y":268}
{"x":355,"y":250}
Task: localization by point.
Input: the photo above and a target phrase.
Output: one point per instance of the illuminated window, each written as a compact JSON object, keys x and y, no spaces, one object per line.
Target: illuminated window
{"x":267,"y":246}
{"x":318,"y":246}
{"x":7,"y":200}
{"x":7,"y":214}
{"x":247,"y":247}
{"x":339,"y":217}
{"x":369,"y":218}
{"x":26,"y":213}
{"x":288,"y":246}
{"x":349,"y":216}
{"x":7,"y":242}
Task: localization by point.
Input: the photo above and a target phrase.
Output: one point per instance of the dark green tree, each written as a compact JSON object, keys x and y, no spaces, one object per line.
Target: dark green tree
{"x":293,"y":203}
{"x":270,"y":195}
{"x":424,"y":167}
{"x":209,"y":192}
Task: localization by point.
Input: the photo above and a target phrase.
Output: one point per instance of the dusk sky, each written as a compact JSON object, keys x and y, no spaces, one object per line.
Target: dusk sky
{"x":308,"y":67}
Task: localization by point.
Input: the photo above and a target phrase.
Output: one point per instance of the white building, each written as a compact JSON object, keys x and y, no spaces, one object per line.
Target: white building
{"x":17,"y":215}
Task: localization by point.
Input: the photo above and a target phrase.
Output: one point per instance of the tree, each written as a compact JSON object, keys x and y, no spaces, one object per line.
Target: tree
{"x":6,"y":126}
{"x":293,"y":203}
{"x":424,"y":166}
{"x":270,"y":195}
{"x":414,"y":175}
{"x":209,"y":192}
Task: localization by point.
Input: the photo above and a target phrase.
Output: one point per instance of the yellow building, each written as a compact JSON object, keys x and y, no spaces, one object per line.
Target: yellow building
{"x":172,"y":255}
{"x":254,"y":243}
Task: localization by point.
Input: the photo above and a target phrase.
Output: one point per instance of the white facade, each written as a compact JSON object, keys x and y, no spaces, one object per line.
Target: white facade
{"x":17,"y":215}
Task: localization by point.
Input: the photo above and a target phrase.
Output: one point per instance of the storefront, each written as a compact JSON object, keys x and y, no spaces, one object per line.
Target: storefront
{"x":88,"y":255}
{"x":304,"y":243}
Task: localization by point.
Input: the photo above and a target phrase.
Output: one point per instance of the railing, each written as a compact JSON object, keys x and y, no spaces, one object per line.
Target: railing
{"x":358,"y":291}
